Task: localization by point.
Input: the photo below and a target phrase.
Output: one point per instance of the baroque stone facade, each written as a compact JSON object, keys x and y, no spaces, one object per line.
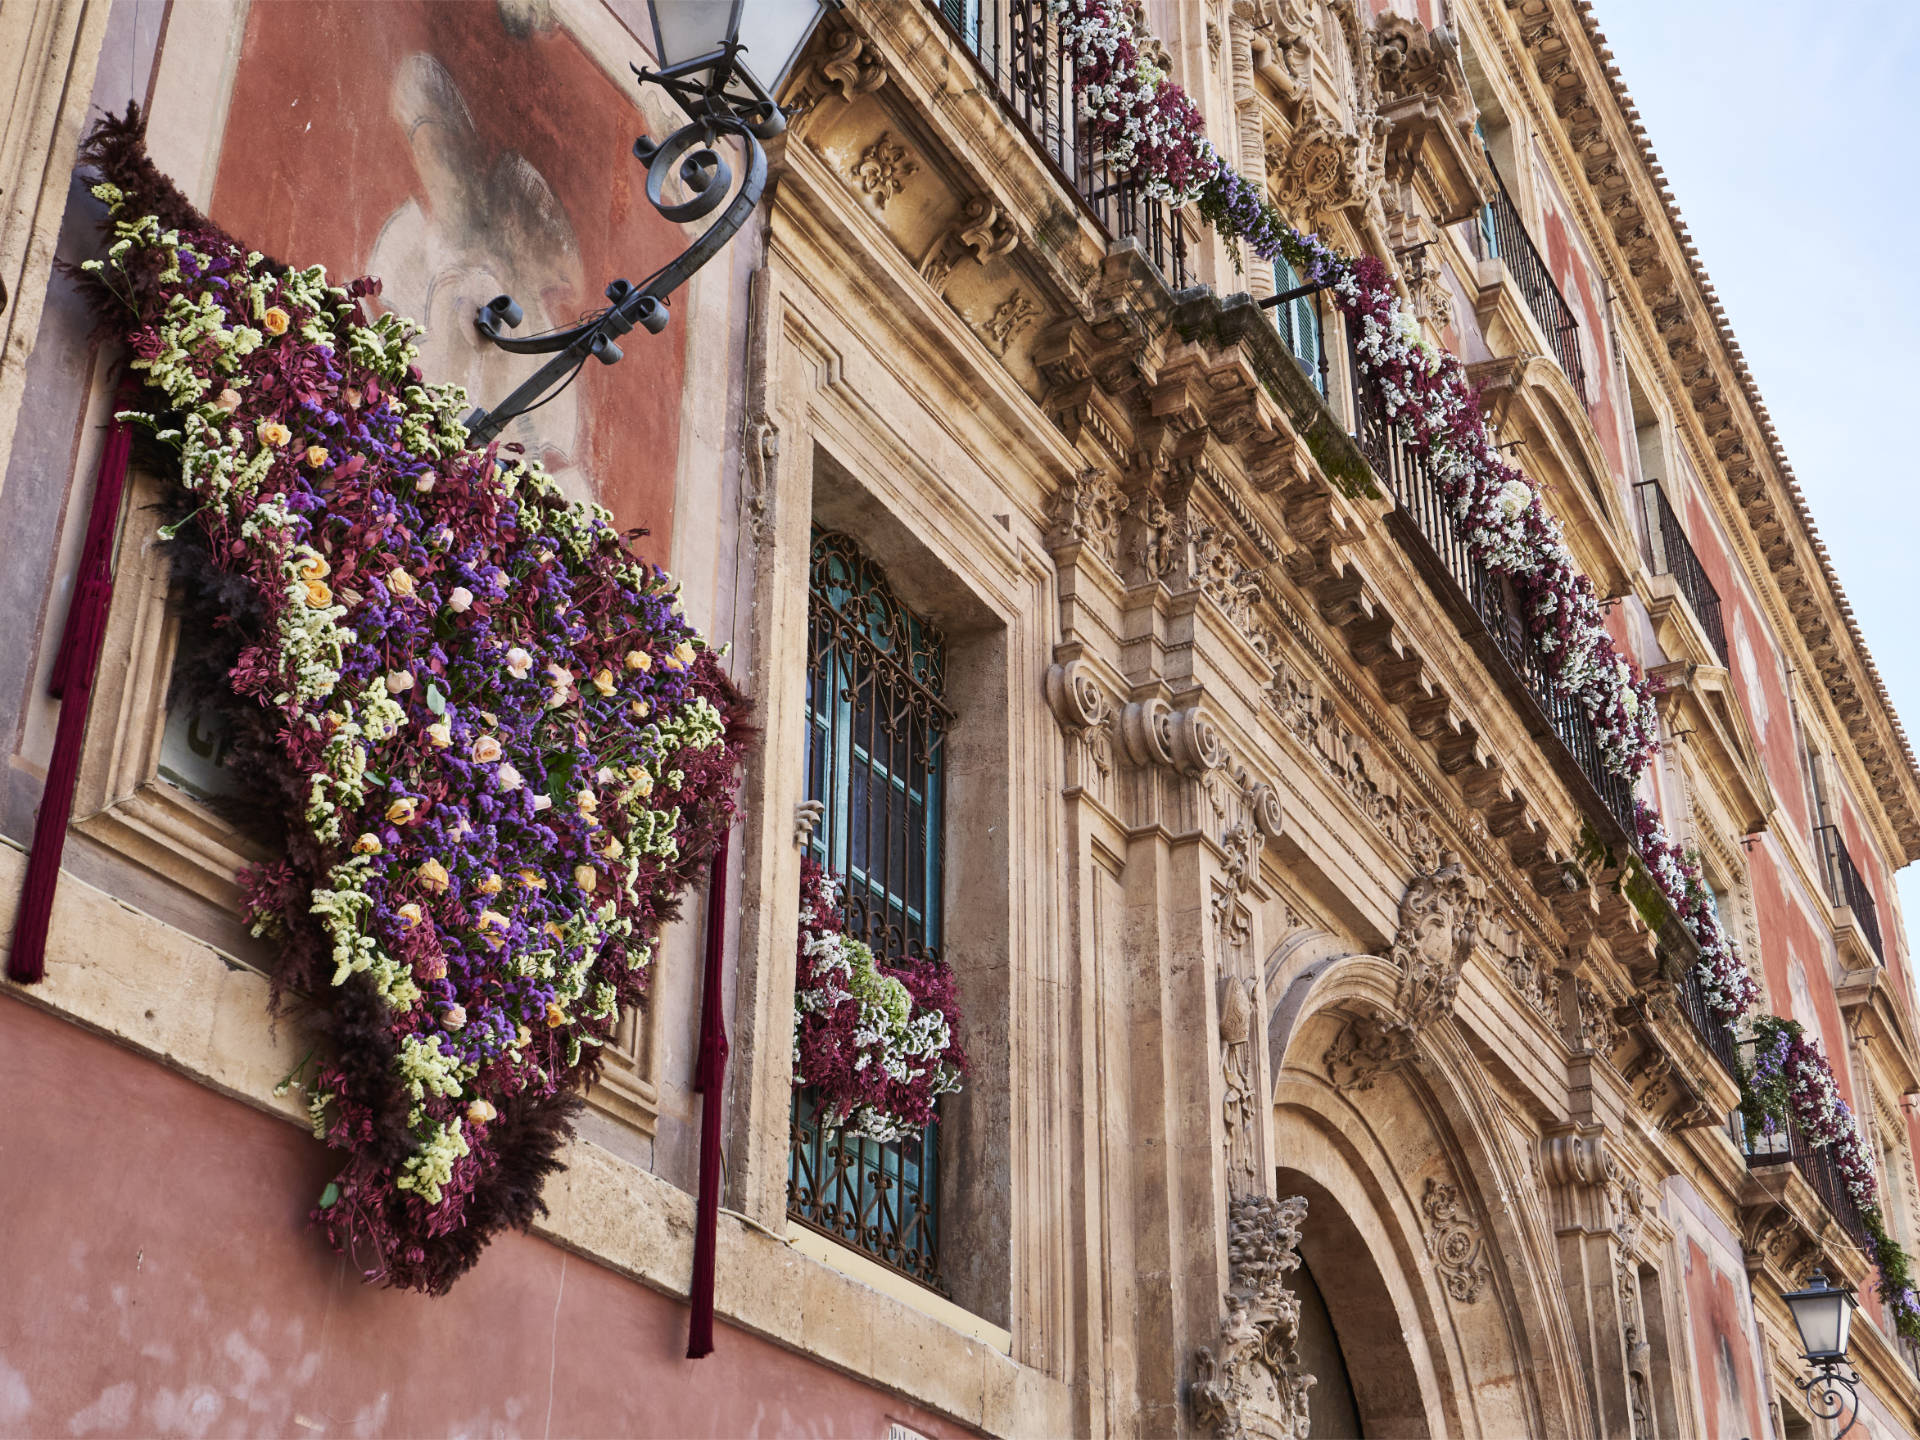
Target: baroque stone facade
{"x":1329,"y":1075}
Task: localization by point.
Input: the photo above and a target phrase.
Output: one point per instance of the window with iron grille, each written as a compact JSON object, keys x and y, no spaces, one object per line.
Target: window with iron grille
{"x":876,"y":726}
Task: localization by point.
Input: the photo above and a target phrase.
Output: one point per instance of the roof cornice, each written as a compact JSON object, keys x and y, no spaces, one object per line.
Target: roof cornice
{"x":1651,"y":243}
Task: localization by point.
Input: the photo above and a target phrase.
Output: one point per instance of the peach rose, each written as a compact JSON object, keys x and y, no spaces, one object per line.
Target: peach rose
{"x":275,"y":321}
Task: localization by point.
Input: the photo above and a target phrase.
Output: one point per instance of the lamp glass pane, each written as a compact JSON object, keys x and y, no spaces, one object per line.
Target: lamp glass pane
{"x":687,"y":29}
{"x":1821,"y":1317}
{"x":774,"y":31}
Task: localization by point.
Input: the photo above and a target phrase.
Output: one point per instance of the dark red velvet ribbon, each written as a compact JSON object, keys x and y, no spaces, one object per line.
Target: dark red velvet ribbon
{"x":709,"y":1077}
{"x":74,"y":669}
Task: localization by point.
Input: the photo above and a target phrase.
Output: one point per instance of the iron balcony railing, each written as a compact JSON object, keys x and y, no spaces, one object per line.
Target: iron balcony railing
{"x":1501,"y":235}
{"x":1671,"y":553}
{"x":1490,"y":597}
{"x":1847,"y":886}
{"x":1016,"y":45}
{"x":1787,"y":1144}
{"x":1713,"y":1031}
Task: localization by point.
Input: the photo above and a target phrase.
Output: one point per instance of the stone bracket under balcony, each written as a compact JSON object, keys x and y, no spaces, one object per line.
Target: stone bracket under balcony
{"x":1786,"y":1230}
{"x":1677,"y":1082}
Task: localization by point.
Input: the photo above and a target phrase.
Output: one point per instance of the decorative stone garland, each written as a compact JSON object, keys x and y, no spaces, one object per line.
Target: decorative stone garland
{"x":1150,"y":129}
{"x":494,"y":745}
{"x":878,"y":1042}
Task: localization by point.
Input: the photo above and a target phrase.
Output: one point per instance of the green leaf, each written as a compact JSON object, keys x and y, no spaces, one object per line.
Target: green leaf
{"x":436,"y":702}
{"x":330,"y":1196}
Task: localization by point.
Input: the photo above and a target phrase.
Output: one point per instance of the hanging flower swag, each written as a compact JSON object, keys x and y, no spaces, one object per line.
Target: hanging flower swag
{"x":493,"y":747}
{"x":1151,"y":129}
{"x":878,"y":1043}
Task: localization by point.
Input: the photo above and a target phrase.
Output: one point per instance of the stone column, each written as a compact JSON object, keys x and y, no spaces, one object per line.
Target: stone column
{"x":1581,"y":1176}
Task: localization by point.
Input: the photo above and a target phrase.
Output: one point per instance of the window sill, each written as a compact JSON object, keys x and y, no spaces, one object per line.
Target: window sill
{"x":875,"y":1276}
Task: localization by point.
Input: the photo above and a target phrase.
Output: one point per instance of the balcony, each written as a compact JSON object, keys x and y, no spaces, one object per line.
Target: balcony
{"x":1847,"y":887}
{"x":1709,"y":1028}
{"x":1490,"y":616}
{"x":1788,"y":1146}
{"x":1671,"y":553}
{"x":1016,"y":47}
{"x":1501,"y":236}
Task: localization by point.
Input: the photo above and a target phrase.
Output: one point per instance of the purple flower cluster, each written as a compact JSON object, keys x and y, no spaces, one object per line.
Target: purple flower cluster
{"x":494,"y":746}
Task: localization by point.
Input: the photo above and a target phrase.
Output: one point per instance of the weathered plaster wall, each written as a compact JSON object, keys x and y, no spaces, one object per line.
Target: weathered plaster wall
{"x":161,"y":1280}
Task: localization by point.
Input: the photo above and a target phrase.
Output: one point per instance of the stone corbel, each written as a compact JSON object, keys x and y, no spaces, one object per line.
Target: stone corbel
{"x":853,"y":66}
{"x":980,"y":230}
{"x":1580,"y":1172}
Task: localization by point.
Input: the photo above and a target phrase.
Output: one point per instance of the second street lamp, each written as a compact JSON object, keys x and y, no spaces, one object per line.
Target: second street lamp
{"x":1824,"y":1317}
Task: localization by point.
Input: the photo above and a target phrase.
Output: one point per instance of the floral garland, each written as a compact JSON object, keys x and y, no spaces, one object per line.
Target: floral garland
{"x":497,"y":747}
{"x":1727,"y":982}
{"x":879,"y":1043}
{"x":1790,"y":1077}
{"x":1149,"y":126}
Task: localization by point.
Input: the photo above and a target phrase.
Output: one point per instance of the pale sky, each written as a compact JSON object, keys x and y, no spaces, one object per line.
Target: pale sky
{"x":1788,"y":133}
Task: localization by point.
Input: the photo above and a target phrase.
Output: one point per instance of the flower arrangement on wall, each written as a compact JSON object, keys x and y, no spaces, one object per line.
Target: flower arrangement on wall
{"x":877,"y":1042}
{"x":1152,"y":131}
{"x":494,"y":746}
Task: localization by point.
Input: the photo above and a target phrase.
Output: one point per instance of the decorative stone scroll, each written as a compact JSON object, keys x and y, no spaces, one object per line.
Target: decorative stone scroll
{"x":1251,"y":1384}
{"x":1455,"y":1243}
{"x":1439,"y":922}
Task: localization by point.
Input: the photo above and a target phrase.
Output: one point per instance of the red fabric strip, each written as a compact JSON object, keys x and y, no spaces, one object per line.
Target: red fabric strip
{"x":74,"y":669}
{"x":709,"y":1078}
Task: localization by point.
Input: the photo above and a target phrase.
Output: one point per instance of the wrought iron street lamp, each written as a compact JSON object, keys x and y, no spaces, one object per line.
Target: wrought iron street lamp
{"x":704,"y":68}
{"x":1824,"y":1316}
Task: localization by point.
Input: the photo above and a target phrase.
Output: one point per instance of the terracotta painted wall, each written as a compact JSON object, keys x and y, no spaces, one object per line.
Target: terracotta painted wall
{"x":367,"y":138}
{"x":1722,"y":1348}
{"x":161,"y":1281}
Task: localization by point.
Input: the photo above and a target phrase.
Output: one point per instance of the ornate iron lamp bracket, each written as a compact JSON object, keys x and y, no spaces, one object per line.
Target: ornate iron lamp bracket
{"x":726,"y":103}
{"x":1823,"y":1391}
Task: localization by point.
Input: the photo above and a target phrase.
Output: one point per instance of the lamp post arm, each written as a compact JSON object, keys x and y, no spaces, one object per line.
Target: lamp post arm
{"x":706,"y":175}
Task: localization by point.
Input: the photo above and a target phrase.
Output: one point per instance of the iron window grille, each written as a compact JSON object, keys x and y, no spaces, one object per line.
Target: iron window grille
{"x":876,"y":730}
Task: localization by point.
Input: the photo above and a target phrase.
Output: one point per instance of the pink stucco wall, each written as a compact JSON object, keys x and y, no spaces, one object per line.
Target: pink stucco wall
{"x":160,"y":1280}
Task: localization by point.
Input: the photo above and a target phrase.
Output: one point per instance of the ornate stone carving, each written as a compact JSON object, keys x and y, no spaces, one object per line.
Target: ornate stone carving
{"x":807,"y":816}
{"x":1086,"y":716}
{"x":980,"y":230}
{"x":1439,"y":919}
{"x":1251,"y":1383}
{"x":1240,"y":1105}
{"x":1599,"y":1032}
{"x":762,"y":456}
{"x":1454,"y":1242}
{"x":1439,"y":922}
{"x":1087,"y":512}
{"x":883,"y":168}
{"x":852,"y":66}
{"x":1013,"y":315}
{"x":1319,"y":169}
{"x":1529,"y":973}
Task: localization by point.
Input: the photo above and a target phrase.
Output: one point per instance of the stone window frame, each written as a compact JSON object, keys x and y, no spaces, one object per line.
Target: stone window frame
{"x":927,"y":578}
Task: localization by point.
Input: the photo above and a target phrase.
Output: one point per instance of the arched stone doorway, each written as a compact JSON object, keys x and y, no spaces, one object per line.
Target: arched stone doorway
{"x":1438,"y":1290}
